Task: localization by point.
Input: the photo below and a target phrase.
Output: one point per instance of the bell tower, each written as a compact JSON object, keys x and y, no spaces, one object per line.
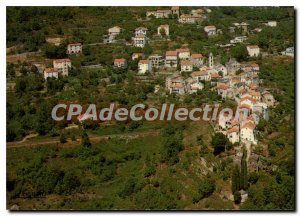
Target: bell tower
{"x":211,"y":61}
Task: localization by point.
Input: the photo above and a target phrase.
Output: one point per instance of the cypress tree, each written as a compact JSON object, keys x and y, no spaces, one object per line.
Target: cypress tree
{"x":235,"y":181}
{"x":244,"y":174}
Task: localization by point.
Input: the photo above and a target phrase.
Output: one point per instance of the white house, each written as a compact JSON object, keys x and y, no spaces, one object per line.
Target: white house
{"x":171,"y":59}
{"x":271,"y":23}
{"x":222,"y":90}
{"x":144,"y":66}
{"x":63,"y":65}
{"x":188,"y":18}
{"x":210,"y":30}
{"x":139,"y":40}
{"x":120,"y":63}
{"x":253,"y":50}
{"x":186,"y":66}
{"x":201,"y":75}
{"x":175,"y":10}
{"x":193,"y":85}
{"x":141,"y":31}
{"x":247,"y":132}
{"x":114,"y":30}
{"x":233,"y":134}
{"x":183,"y":53}
{"x":175,"y":84}
{"x":197,"y":59}
{"x":51,"y":72}
{"x":157,"y":61}
{"x":74,"y":48}
{"x":239,"y":39}
{"x":289,"y":51}
{"x":163,"y":28}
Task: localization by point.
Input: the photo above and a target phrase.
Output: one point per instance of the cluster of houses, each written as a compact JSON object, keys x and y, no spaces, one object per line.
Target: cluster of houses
{"x":236,"y":81}
{"x":195,"y":16}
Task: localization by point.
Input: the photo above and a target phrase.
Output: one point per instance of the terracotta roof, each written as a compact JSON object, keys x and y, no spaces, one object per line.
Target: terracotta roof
{"x":183,"y":50}
{"x":211,"y":26}
{"x":61,"y":60}
{"x":252,"y":46}
{"x":233,"y":130}
{"x":51,"y":70}
{"x":164,"y":26}
{"x":254,"y":65}
{"x":255,"y":93}
{"x":137,"y":54}
{"x":74,"y":44}
{"x":163,"y":11}
{"x":222,"y":86}
{"x":197,"y":55}
{"x":175,"y":8}
{"x":171,"y":53}
{"x":141,"y":28}
{"x":199,"y":73}
{"x":215,"y":75}
{"x":177,"y":85}
{"x":246,"y":106}
{"x":120,"y":60}
{"x":186,"y":62}
{"x":143,"y":61}
{"x":249,"y":124}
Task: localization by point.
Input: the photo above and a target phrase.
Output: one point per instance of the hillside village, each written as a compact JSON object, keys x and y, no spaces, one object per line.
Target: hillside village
{"x":234,"y":80}
{"x":147,"y":61}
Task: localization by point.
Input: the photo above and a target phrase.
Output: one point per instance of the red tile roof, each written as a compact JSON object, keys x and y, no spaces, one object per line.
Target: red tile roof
{"x":51,"y":70}
{"x":199,"y":73}
{"x":186,"y":62}
{"x":144,"y":61}
{"x":197,"y":55}
{"x":233,"y":130}
{"x":171,"y":53}
{"x":252,"y":46}
{"x":120,"y":60}
{"x":175,"y":8}
{"x":61,"y":60}
{"x":249,"y":124}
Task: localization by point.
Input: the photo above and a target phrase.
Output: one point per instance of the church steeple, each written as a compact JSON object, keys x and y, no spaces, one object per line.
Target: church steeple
{"x":211,"y":61}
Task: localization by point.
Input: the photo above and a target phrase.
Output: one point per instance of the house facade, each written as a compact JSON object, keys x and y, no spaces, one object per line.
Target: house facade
{"x":144,"y":66}
{"x":51,"y":72}
{"x":171,"y":59}
{"x":120,"y":63}
{"x":63,"y":65}
{"x":74,"y":48}
{"x":253,"y":50}
{"x":186,"y":66}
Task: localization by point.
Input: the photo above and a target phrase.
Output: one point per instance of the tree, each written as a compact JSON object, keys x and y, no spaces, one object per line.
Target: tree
{"x":85,"y":141}
{"x":235,"y":179}
{"x":244,"y":174}
{"x":240,"y":52}
{"x":62,"y":138}
{"x":219,"y":142}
